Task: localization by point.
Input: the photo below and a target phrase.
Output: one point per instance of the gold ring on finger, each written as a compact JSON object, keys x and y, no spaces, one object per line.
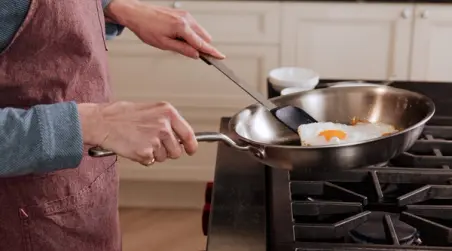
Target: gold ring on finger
{"x":150,"y":163}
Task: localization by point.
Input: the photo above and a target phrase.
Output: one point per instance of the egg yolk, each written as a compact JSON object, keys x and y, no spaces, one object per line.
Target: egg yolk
{"x":328,"y":134}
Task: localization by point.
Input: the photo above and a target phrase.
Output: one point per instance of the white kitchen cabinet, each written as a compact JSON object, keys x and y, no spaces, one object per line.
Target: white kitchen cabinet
{"x":201,"y":93}
{"x":243,"y":22}
{"x":348,"y":40}
{"x":338,"y":40}
{"x":140,"y":72}
{"x":432,"y":43}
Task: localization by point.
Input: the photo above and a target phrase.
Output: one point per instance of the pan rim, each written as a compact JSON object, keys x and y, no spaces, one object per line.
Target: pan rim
{"x":429,"y":101}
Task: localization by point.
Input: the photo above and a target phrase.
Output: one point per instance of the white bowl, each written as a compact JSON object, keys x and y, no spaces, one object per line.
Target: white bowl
{"x":291,"y":90}
{"x":286,"y":77}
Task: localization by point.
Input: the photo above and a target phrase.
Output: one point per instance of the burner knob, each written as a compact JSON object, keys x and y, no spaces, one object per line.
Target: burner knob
{"x":206,"y":209}
{"x":205,"y":219}
{"x":208,"y":192}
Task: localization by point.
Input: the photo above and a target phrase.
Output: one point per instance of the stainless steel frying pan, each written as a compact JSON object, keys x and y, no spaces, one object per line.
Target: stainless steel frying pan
{"x":255,"y":129}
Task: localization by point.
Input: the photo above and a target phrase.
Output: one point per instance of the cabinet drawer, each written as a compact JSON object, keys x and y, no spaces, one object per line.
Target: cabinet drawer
{"x":231,"y":22}
{"x":140,"y":72}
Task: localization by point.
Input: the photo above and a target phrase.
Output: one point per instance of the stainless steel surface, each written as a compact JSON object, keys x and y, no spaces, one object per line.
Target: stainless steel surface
{"x":257,"y":131}
{"x":237,"y":220}
{"x":255,"y":126}
{"x":349,"y":83}
{"x":98,"y":152}
{"x":389,"y":81}
{"x":200,"y":137}
{"x":214,"y":137}
{"x":206,"y":136}
{"x":231,"y":75}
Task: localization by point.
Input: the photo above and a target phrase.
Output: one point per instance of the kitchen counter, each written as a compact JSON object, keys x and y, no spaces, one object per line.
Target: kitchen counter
{"x":237,"y":219}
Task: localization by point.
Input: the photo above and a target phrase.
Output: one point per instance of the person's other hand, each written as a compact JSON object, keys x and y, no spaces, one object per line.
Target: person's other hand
{"x":163,"y":27}
{"x":141,"y":132}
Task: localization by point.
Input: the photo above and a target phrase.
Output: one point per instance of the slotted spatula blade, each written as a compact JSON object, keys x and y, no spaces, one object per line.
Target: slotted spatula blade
{"x":291,"y":116}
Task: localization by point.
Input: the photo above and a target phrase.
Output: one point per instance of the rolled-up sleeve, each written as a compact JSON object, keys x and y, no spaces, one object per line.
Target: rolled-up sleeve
{"x":111,"y":29}
{"x":42,"y":139}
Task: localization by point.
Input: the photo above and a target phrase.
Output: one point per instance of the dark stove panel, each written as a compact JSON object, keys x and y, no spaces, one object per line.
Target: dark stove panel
{"x":405,"y":204}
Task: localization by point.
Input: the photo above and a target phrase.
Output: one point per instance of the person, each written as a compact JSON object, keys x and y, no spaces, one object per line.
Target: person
{"x":55,"y":104}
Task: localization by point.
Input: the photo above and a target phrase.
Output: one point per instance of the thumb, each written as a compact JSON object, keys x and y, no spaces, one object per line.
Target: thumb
{"x":181,"y":47}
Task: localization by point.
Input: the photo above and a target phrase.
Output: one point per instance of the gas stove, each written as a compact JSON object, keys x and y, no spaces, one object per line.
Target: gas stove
{"x":404,"y":204}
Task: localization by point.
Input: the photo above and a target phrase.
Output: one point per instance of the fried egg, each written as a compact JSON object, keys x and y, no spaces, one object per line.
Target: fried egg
{"x":329,"y":133}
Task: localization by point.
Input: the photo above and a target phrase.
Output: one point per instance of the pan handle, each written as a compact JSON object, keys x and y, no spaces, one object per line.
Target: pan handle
{"x":216,"y":136}
{"x":200,"y":137}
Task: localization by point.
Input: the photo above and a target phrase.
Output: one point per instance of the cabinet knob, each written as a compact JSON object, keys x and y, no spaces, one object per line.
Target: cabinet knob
{"x":406,"y":13}
{"x":177,"y":5}
{"x":425,"y":14}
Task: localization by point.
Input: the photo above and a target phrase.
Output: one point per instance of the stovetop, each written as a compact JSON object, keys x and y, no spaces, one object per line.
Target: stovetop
{"x":405,"y":204}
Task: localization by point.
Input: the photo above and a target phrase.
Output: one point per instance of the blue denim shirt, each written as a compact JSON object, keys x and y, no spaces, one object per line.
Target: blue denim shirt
{"x":38,"y":140}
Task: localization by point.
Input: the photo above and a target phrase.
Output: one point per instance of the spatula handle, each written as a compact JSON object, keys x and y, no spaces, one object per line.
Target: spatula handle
{"x":231,"y":75}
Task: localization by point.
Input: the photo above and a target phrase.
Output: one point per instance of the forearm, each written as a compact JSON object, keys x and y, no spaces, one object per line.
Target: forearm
{"x":120,"y":11}
{"x":113,"y":27}
{"x":42,"y":139}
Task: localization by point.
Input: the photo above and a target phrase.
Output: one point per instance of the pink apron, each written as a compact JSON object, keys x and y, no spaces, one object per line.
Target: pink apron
{"x":59,"y":54}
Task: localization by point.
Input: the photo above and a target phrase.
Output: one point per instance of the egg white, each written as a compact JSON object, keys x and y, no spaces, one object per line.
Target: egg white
{"x":309,"y":133}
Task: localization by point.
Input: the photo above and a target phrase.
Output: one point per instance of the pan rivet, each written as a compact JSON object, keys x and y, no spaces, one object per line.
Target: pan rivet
{"x":260,"y":153}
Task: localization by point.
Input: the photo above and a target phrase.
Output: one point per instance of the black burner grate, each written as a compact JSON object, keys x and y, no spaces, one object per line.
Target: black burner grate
{"x":408,"y":201}
{"x":433,"y":149}
{"x":403,"y":204}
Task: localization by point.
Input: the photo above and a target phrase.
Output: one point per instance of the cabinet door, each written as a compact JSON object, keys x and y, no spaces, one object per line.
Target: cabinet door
{"x":432,"y":53}
{"x":201,"y":94}
{"x":141,"y":72}
{"x":348,"y":40}
{"x":246,"y":32}
{"x":243,"y":22}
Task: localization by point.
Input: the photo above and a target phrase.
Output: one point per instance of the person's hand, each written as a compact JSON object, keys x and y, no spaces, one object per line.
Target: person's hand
{"x":142,"y":132}
{"x":163,"y":27}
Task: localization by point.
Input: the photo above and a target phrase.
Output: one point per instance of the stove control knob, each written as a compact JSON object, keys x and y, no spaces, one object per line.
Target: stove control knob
{"x":205,"y":219}
{"x":206,"y":209}
{"x":208,"y":193}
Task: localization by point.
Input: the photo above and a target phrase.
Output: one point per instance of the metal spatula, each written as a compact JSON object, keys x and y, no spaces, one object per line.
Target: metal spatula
{"x":290,"y":116}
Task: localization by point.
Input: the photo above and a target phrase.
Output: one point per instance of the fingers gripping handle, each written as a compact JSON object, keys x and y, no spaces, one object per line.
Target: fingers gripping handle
{"x":200,"y":137}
